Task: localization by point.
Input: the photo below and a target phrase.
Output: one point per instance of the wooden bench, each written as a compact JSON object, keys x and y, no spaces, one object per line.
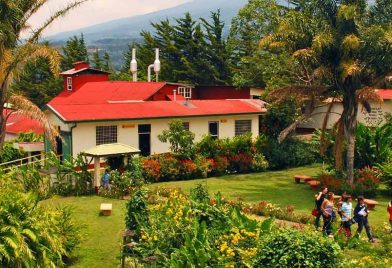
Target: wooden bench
{"x":314,"y":184}
{"x":371,"y":204}
{"x":106,"y":209}
{"x":305,"y":178}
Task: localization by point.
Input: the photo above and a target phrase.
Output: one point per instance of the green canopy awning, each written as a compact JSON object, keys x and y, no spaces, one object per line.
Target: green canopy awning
{"x":111,"y":149}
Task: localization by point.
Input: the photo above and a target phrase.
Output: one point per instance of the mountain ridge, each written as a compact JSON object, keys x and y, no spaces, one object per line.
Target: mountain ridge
{"x":130,"y":27}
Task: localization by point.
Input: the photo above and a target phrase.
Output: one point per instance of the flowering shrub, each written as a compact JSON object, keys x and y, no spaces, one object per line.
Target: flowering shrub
{"x":204,"y":166}
{"x":220,"y":165}
{"x":175,"y":230}
{"x":170,"y":168}
{"x":259,"y":163}
{"x":152,"y":169}
{"x":188,"y":169}
{"x":265,"y":208}
{"x":241,"y":162}
{"x":366,"y":182}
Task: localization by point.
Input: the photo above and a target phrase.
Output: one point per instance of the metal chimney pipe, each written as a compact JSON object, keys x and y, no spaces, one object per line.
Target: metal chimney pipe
{"x":133,"y":66}
{"x":157,"y":64}
{"x":175,"y":95}
{"x":149,"y":72}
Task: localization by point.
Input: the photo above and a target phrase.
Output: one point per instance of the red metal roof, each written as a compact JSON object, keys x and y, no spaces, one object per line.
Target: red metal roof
{"x":152,"y":109}
{"x":18,"y":123}
{"x":111,"y":100}
{"x":386,"y":94}
{"x":108,"y":91}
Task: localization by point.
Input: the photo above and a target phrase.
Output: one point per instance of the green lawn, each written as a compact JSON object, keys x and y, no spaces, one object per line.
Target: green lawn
{"x":101,"y":244}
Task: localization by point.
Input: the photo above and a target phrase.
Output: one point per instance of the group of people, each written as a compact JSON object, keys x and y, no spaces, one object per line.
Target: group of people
{"x":328,"y":208}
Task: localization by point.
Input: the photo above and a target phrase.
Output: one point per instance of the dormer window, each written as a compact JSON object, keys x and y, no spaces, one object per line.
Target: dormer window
{"x":186,"y":92}
{"x":69,"y":83}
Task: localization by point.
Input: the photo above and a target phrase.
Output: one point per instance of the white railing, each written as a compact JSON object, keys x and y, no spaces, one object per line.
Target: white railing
{"x":25,"y":161}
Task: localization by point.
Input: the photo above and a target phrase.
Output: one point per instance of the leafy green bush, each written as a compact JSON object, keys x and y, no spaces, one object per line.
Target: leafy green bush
{"x":259,"y":163}
{"x":209,"y":147}
{"x":32,"y":235}
{"x":373,"y":146}
{"x":180,"y":139}
{"x":288,"y":248}
{"x":9,"y":153}
{"x":279,"y":116}
{"x":386,"y":174}
{"x":292,"y":152}
{"x":170,"y":168}
{"x":136,"y":210}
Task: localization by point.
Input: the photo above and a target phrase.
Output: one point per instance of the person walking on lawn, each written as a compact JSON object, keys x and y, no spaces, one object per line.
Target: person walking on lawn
{"x":327,"y":207}
{"x":361,"y":217}
{"x":320,"y":197}
{"x":346,"y":213}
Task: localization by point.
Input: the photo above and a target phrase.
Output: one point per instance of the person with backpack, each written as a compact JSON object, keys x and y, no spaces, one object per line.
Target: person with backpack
{"x":320,"y":197}
{"x":361,"y":217}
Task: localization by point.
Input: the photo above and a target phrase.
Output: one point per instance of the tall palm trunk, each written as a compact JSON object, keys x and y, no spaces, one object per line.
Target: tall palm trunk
{"x":349,"y":116}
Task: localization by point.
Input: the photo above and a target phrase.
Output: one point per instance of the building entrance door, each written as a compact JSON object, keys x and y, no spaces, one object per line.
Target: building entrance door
{"x":144,"y":139}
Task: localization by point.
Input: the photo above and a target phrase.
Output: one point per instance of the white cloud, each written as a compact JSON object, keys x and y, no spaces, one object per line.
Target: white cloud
{"x":97,"y":11}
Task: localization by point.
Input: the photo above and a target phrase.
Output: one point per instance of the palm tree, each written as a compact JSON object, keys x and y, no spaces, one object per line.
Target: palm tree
{"x":16,"y":52}
{"x":344,"y":51}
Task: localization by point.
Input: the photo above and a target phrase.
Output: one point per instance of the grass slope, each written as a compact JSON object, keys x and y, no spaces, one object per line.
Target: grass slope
{"x":102,"y":241}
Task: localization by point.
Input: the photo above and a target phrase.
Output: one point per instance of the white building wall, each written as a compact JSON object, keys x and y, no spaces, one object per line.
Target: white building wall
{"x":55,"y":121}
{"x":376,"y":117}
{"x":83,"y":135}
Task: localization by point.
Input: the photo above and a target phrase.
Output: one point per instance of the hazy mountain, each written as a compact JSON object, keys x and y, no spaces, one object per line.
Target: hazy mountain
{"x":114,"y":36}
{"x":129,"y":28}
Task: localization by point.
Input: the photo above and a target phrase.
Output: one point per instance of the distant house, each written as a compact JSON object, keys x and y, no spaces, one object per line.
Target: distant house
{"x":91,"y":110}
{"x":374,"y":118}
{"x":17,"y":123}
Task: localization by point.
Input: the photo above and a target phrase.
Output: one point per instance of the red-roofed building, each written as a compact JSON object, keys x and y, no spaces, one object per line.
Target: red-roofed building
{"x":17,"y":123}
{"x":92,"y":110}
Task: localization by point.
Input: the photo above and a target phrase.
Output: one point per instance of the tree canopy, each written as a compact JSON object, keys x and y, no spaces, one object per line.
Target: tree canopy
{"x":343,"y":51}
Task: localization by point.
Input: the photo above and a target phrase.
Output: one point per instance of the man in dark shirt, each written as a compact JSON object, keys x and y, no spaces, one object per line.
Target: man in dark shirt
{"x":319,"y":201}
{"x":361,"y":217}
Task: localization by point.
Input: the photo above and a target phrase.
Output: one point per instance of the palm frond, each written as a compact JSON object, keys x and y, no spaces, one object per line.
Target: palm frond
{"x":305,"y":53}
{"x":322,"y":41}
{"x":347,"y":12}
{"x":350,"y":68}
{"x":26,"y":108}
{"x":350,"y":43}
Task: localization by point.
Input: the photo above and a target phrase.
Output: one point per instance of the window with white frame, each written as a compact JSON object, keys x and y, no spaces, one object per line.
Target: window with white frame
{"x":185,"y":91}
{"x":213,"y":129}
{"x":242,"y":127}
{"x":106,"y":134}
{"x":69,"y":83}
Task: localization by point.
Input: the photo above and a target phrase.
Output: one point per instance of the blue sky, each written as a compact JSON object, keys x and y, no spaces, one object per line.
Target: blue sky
{"x":97,"y":11}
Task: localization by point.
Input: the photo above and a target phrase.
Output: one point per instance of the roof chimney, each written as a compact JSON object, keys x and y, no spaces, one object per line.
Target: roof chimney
{"x":80,"y":65}
{"x":156,"y":66}
{"x":133,"y":66}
